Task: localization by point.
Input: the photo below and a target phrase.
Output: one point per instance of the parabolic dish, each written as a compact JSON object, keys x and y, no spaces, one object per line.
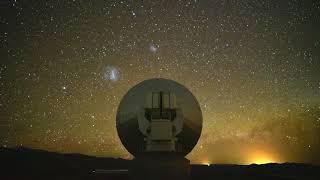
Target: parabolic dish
{"x":129,"y":111}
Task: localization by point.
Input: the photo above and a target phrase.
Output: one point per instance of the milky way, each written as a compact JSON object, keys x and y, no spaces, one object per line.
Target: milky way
{"x":254,"y":67}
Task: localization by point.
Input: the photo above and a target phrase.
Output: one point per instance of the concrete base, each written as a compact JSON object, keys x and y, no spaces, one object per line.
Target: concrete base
{"x":164,"y":167}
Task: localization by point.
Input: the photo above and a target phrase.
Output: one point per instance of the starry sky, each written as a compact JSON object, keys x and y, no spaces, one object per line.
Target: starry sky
{"x":254,"y":67}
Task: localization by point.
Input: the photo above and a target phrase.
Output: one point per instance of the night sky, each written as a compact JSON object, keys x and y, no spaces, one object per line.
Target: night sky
{"x":254,"y":67}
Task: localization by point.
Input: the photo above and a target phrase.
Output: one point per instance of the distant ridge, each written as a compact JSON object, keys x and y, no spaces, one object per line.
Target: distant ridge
{"x":26,"y":163}
{"x":21,"y":162}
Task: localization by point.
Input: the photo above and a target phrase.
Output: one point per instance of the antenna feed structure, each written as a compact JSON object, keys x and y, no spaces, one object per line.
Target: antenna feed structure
{"x":160,"y":121}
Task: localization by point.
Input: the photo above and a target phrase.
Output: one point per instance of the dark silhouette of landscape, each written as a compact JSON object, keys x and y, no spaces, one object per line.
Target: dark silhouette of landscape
{"x":25,"y":163}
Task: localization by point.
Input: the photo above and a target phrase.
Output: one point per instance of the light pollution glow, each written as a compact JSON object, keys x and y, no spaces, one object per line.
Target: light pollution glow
{"x":253,"y":156}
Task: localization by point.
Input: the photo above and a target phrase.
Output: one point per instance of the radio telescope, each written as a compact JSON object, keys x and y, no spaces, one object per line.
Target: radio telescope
{"x":159,"y":122}
{"x":159,"y":115}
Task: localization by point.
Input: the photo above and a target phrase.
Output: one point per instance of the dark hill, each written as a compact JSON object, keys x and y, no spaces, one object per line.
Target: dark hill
{"x":24,"y":163}
{"x":21,"y":163}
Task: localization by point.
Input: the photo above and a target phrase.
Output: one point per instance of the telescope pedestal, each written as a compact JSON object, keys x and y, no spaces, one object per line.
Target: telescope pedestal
{"x":156,"y":167}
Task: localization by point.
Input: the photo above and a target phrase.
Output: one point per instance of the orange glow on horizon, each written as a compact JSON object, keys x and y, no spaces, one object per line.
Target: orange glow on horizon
{"x":261,"y":157}
{"x":205,"y":162}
